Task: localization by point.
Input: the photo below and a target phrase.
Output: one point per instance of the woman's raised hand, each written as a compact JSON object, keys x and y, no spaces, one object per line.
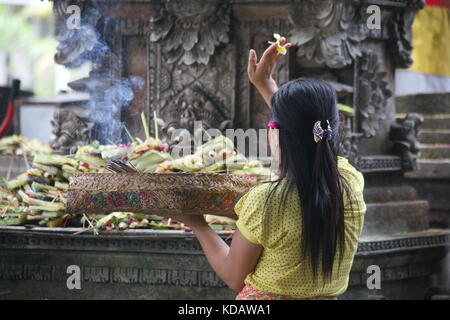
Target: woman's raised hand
{"x":261,"y":73}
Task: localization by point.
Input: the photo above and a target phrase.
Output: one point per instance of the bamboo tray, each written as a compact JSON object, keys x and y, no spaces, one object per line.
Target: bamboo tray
{"x":157,"y":193}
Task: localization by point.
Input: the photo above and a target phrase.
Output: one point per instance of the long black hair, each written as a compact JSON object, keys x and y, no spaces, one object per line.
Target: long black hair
{"x":312,"y":167}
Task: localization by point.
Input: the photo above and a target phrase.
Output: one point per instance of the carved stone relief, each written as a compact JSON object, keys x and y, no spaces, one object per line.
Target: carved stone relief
{"x":400,"y":41}
{"x":182,"y":94}
{"x":373,"y":94}
{"x":254,"y":34}
{"x":189,"y":31}
{"x":69,"y":131}
{"x":190,"y":79}
{"x":348,"y":147}
{"x":327,"y":32}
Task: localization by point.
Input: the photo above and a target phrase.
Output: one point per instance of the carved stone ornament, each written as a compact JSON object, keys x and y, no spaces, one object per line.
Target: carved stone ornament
{"x":400,"y":26}
{"x":190,"y":31}
{"x":196,"y":105}
{"x":327,"y":32}
{"x":373,"y":94}
{"x":404,"y":135}
{"x":348,"y":146}
{"x":70,"y":131}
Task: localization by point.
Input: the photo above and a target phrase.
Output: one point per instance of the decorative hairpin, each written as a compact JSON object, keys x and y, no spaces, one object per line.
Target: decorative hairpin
{"x":320,"y":134}
{"x":273,"y":124}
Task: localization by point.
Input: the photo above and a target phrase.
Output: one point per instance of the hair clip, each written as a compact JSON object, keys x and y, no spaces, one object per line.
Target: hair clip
{"x":273,"y":124}
{"x":319,"y":133}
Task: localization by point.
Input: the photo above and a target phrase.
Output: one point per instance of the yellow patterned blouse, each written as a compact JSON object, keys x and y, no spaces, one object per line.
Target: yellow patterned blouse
{"x":281,"y":269}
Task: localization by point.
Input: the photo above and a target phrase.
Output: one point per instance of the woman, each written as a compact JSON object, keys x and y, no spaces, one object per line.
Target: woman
{"x":296,"y":237}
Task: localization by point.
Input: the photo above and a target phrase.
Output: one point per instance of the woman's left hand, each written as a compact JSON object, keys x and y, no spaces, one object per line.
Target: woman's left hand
{"x":192,"y":221}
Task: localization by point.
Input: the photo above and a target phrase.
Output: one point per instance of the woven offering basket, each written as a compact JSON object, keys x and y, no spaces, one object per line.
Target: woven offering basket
{"x":157,"y":193}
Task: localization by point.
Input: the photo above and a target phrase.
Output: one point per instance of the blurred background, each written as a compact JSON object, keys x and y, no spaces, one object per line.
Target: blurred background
{"x":27,"y":48}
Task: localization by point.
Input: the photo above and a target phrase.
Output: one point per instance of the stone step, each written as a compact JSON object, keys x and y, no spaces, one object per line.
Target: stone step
{"x":424,"y":103}
{"x":389,"y":194}
{"x":432,"y":182}
{"x":431,"y":169}
{"x":395,"y":217}
{"x":436,"y":192}
{"x":434,"y":151}
{"x":437,"y":121}
{"x":432,"y":122}
{"x":439,"y":218}
{"x":434,"y":136}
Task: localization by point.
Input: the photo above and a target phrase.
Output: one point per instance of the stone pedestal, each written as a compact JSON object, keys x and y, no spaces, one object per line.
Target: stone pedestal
{"x":187,"y":60}
{"x":170,"y":265}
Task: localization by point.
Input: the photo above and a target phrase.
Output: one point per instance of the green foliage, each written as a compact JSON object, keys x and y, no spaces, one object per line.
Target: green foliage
{"x":19,"y":28}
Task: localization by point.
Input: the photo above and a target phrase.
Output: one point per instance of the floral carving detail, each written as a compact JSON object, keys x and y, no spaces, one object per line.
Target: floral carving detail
{"x":191,"y":30}
{"x":373,"y":95}
{"x":327,"y":32}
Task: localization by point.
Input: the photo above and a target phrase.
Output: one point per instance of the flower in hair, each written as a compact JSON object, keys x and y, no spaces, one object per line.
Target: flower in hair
{"x":320,"y":134}
{"x":273,"y":124}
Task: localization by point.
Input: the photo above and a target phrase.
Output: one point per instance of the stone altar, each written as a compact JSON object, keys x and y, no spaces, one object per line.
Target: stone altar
{"x":177,"y":57}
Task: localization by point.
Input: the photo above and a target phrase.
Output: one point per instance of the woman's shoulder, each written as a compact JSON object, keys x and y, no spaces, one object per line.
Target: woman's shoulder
{"x":257,"y":195}
{"x":350,"y":173}
{"x":263,"y":188}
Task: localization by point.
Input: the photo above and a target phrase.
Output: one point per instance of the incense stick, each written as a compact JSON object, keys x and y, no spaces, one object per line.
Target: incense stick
{"x":156,"y":125}
{"x":129,"y":134}
{"x":90,"y":223}
{"x":145,"y":124}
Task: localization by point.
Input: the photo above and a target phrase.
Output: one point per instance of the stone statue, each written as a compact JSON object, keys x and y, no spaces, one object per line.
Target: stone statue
{"x":404,"y":134}
{"x":70,"y":131}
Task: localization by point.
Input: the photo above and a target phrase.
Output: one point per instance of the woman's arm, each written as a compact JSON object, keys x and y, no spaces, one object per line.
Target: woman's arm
{"x":232,"y":264}
{"x":261,"y":73}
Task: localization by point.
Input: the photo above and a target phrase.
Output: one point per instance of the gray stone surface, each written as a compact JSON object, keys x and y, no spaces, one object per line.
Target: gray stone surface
{"x":170,"y":265}
{"x":388,"y":194}
{"x":424,"y":103}
{"x":432,"y":179}
{"x":437,"y":121}
{"x":438,"y":169}
{"x":437,"y":192}
{"x":434,"y":136}
{"x":396,"y":217}
{"x":435,"y":151}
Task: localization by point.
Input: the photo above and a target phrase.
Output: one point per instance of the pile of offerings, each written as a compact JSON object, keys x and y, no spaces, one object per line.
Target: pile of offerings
{"x":18,"y":146}
{"x":39,"y":195}
{"x":218,"y":155}
{"x":128,"y":220}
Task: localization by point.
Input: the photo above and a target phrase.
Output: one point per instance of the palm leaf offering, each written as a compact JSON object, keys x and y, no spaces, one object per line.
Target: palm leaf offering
{"x":39,"y":195}
{"x":18,"y":146}
{"x":346,"y":110}
{"x":217,"y":155}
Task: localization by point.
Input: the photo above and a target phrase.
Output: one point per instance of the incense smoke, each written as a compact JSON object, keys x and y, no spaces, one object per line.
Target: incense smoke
{"x":109,"y":92}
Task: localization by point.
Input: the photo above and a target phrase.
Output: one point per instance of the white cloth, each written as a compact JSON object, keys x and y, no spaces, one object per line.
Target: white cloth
{"x":413,"y":82}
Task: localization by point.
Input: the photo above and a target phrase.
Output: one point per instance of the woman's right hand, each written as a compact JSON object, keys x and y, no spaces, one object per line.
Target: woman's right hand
{"x":260,"y":73}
